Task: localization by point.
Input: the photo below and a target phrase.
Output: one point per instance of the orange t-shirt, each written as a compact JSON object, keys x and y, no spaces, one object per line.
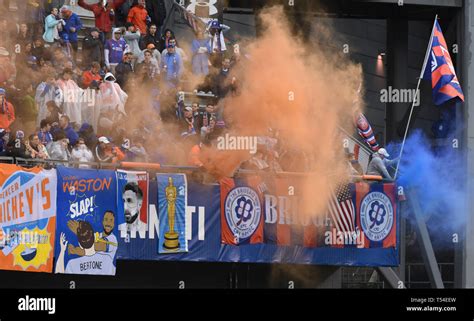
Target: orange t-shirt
{"x":88,"y":77}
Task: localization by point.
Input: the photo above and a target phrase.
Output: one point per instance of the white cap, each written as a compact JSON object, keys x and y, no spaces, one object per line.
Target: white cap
{"x":188,"y":108}
{"x":383,"y":151}
{"x":104,"y":140}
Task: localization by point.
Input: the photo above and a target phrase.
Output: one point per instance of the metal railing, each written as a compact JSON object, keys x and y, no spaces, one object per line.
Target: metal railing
{"x":412,"y":281}
{"x":361,"y":278}
{"x":52,"y":163}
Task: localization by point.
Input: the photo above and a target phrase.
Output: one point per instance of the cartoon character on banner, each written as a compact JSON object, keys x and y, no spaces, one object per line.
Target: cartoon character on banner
{"x":95,"y":250}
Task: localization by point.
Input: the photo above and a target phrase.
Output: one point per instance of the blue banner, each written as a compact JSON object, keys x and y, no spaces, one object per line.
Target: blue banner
{"x":172,"y":201}
{"x":202,"y":228}
{"x":203,"y":232}
{"x":86,"y":239}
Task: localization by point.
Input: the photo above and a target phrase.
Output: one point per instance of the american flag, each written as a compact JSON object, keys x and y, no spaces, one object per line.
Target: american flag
{"x":341,"y":208}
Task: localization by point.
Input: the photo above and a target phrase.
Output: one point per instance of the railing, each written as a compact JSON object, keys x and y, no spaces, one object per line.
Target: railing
{"x":448,"y":281}
{"x":51,"y":163}
{"x":361,"y":278}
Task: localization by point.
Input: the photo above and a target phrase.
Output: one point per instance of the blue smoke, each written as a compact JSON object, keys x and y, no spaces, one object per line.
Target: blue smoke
{"x":437,"y":175}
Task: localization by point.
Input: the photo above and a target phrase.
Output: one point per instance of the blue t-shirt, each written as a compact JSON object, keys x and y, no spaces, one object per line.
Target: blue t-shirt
{"x":45,"y":137}
{"x":116,"y":50}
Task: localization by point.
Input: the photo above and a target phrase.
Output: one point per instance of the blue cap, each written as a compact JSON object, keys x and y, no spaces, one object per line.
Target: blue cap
{"x":84,"y":127}
{"x":2,"y":91}
{"x":215,"y":24}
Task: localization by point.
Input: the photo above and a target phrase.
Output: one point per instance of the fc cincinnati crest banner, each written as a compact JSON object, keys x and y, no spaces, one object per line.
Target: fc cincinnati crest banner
{"x":87,"y":222}
{"x":376,"y":206}
{"x":172,"y":203}
{"x":361,"y":215}
{"x":241,"y":211}
{"x":27,"y":218}
{"x":132,"y":203}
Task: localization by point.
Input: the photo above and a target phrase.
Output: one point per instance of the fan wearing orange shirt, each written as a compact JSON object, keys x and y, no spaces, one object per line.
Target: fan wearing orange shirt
{"x":138,"y":16}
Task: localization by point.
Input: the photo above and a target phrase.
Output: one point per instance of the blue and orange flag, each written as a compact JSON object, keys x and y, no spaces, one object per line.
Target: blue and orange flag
{"x":241,"y":211}
{"x":365,"y":131}
{"x":443,"y":77}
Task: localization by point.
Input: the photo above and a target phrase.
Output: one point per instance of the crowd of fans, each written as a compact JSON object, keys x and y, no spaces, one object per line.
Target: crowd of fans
{"x":109,"y":93}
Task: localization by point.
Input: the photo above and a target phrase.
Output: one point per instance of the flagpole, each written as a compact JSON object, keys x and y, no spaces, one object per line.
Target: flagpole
{"x":417,"y":96}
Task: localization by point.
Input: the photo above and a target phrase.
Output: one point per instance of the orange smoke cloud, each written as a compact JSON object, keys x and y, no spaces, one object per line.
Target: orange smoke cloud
{"x":304,"y":91}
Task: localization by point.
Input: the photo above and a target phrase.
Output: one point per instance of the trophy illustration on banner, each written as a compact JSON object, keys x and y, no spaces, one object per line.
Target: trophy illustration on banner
{"x":171,"y":242}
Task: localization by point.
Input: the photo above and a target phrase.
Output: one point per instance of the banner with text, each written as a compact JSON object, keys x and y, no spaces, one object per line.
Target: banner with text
{"x":27,"y":218}
{"x":87,"y":222}
{"x":289,"y":237}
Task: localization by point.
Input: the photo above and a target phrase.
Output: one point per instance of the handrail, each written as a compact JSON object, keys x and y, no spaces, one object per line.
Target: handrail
{"x":166,"y":168}
{"x":356,"y":141}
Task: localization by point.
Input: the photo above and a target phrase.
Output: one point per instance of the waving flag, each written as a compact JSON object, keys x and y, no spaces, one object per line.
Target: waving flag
{"x":366,"y":132}
{"x":443,"y":78}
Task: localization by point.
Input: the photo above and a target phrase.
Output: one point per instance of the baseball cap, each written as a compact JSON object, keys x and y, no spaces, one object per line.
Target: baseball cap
{"x":383,"y":151}
{"x":20,"y":134}
{"x":32,"y":59}
{"x":2,"y":91}
{"x":150,"y":46}
{"x":215,"y":24}
{"x":188,"y":108}
{"x":104,"y":140}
